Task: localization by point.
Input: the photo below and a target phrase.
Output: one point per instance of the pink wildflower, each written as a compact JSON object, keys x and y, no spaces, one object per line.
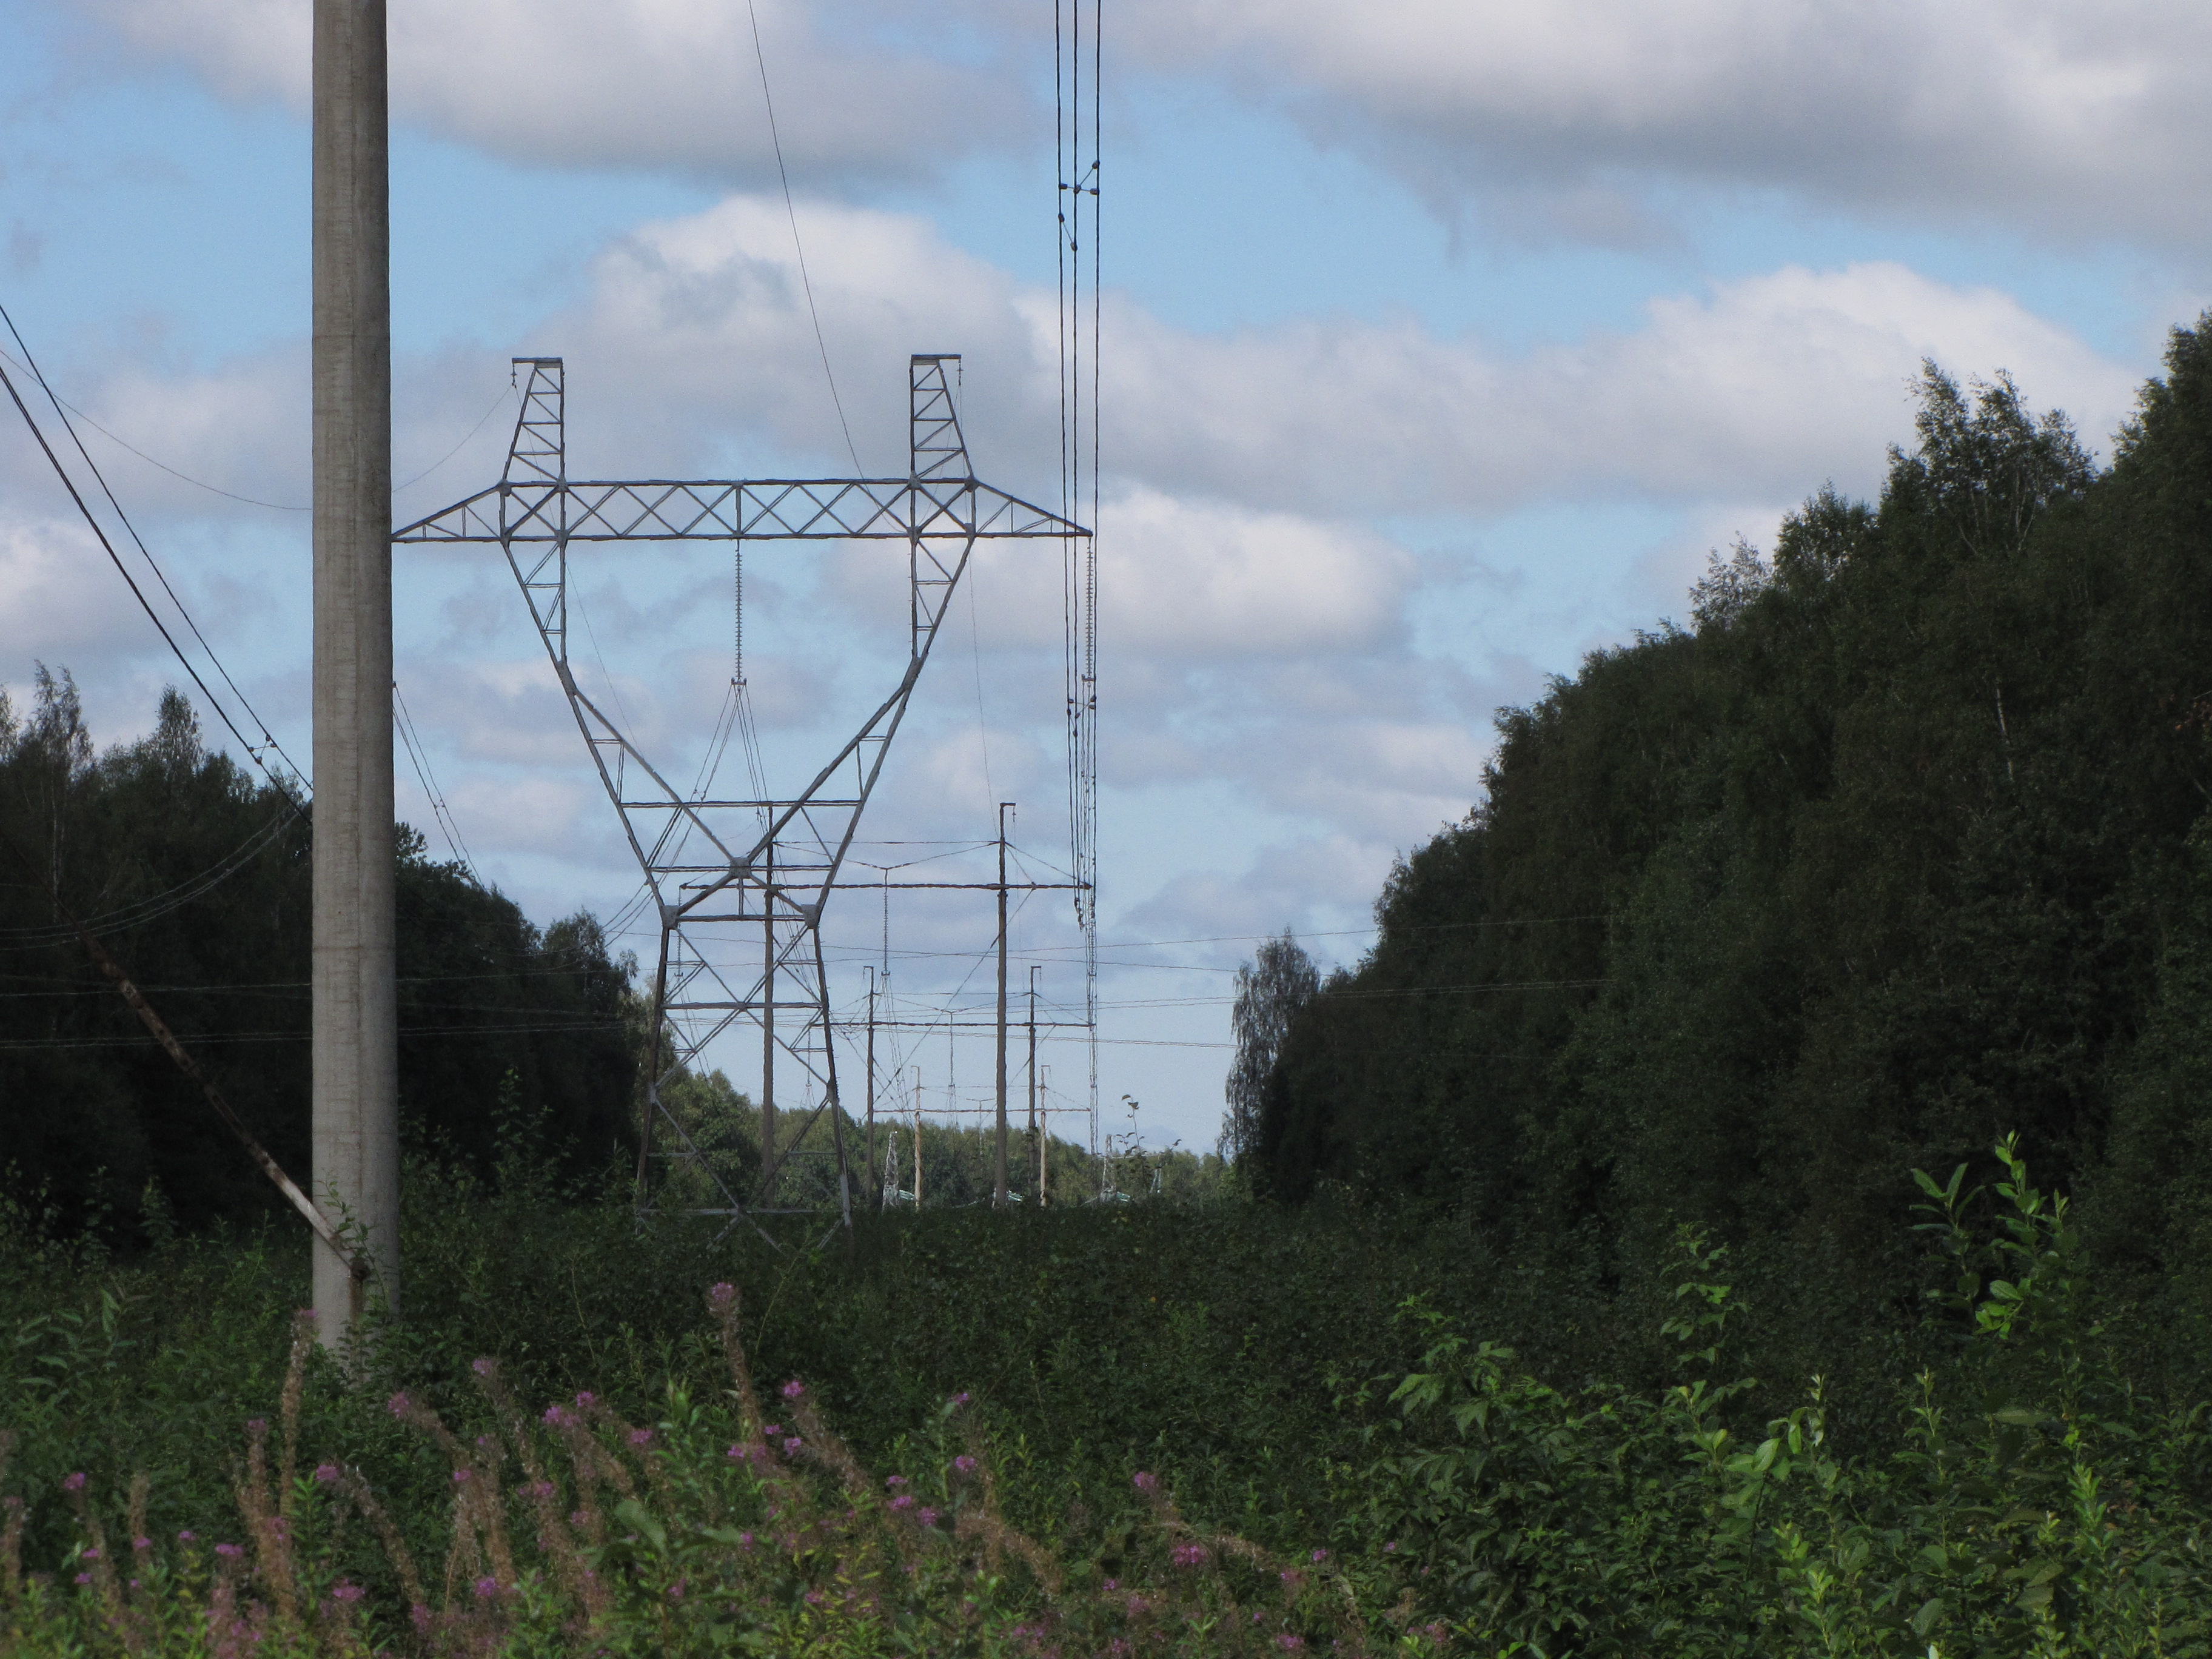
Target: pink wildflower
{"x":721,"y":1294}
{"x":345,"y":1592}
{"x":928,"y":1517}
{"x":84,"y":1579}
{"x":584,"y":1399}
{"x":903,"y":1501}
{"x":398,"y":1404}
{"x":92,"y":1554}
{"x":326,"y":1472}
{"x":771,"y":1430}
{"x":790,"y":1445}
{"x":964,"y":1463}
{"x":555,"y":1418}
{"x":460,"y":1477}
{"x":486,"y":1588}
{"x":794,"y":1389}
{"x":1320,"y":1555}
{"x":640,"y":1437}
{"x":73,"y":1482}
{"x":481,"y":1366}
{"x":142,"y":1543}
{"x":229,"y":1552}
{"x":188,"y":1537}
{"x":895,"y":1480}
{"x":1144,"y":1480}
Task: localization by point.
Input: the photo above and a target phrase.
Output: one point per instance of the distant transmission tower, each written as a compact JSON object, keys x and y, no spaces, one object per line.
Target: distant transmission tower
{"x":740,"y":885}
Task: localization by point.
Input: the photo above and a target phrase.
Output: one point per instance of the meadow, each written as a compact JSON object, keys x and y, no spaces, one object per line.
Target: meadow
{"x":1231,"y":1429}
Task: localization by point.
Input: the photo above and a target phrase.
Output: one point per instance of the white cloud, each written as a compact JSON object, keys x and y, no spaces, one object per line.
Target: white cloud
{"x":60,"y":600}
{"x":1764,"y":385}
{"x":591,"y":83}
{"x":2080,"y":120}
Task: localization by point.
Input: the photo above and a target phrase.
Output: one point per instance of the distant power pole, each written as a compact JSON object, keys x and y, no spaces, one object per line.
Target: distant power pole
{"x":876,"y":1185}
{"x":1037,"y":1144}
{"x":354,"y":1001}
{"x":998,"y":1154}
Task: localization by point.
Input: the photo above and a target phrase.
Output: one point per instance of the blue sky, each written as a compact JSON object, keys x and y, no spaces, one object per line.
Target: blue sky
{"x":1442,"y":343}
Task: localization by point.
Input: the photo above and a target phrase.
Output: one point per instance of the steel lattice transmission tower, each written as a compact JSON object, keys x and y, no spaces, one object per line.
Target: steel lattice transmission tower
{"x":740,"y":885}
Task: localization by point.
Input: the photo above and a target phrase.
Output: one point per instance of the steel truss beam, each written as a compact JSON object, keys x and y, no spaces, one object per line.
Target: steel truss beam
{"x":761,"y":869}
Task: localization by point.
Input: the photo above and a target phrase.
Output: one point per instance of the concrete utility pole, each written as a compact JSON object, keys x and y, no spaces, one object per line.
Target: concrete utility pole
{"x":356,"y":1064}
{"x":999,"y":1156}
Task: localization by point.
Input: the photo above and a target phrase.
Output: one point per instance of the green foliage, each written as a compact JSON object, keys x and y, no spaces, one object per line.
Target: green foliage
{"x":2020,"y":1497}
{"x":96,"y":1122}
{"x":1901,"y":845}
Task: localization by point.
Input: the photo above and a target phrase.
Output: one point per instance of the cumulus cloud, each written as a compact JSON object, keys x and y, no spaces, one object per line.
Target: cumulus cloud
{"x":2082,"y":122}
{"x":1762,"y":384}
{"x":611,"y":83}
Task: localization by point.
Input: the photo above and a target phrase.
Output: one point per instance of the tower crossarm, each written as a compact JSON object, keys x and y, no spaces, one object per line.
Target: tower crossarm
{"x":764,"y":509}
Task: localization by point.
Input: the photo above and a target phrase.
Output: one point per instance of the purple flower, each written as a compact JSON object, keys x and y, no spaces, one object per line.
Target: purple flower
{"x":460,"y":1477}
{"x":486,"y":1588}
{"x":92,"y":1554}
{"x":584,"y":1399}
{"x":814,"y":1598}
{"x":895,"y":1480}
{"x":73,"y":1482}
{"x":640,"y":1437}
{"x":1144,"y":1480}
{"x":1290,"y":1642}
{"x":188,"y":1537}
{"x":1320,"y":1555}
{"x":142,"y":1543}
{"x":721,"y":1294}
{"x":482,"y":1366}
{"x":541,"y":1489}
{"x":229,"y":1552}
{"x":326,"y":1472}
{"x":579,"y":1520}
{"x":1390,"y":1548}
{"x":347,"y":1593}
{"x":744,"y":1541}
{"x":1188,"y":1555}
{"x":1291,"y":1577}
{"x":927,"y":1517}
{"x":555,"y":1418}
{"x":771,"y":1430}
{"x":793,"y":1388}
{"x":1113,"y":1583}
{"x":790,"y":1445}
{"x":398,"y":1404}
{"x":84,"y":1579}
{"x":964,"y":1463}
{"x":256,"y":1425}
{"x":960,"y":1399}
{"x":903,"y":1501}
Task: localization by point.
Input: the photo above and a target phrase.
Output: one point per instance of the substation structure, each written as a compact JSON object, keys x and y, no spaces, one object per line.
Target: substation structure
{"x":740,"y":885}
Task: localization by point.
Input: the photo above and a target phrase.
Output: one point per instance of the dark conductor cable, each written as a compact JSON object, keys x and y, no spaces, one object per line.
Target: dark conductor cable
{"x":269,"y":738}
{"x":139,"y":594}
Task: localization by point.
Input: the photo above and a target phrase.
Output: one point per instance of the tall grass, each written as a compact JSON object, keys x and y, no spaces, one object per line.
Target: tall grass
{"x":1030,"y":1436}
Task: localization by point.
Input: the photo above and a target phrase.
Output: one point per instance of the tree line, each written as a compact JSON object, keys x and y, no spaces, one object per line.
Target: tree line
{"x":194,"y":872}
{"x":1901,"y":842}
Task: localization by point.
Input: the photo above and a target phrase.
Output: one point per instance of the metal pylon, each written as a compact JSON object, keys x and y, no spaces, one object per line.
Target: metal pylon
{"x":740,"y":885}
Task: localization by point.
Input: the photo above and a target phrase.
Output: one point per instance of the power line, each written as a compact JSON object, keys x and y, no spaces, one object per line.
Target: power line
{"x":805,"y":282}
{"x":138,"y":593}
{"x":447,"y":824}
